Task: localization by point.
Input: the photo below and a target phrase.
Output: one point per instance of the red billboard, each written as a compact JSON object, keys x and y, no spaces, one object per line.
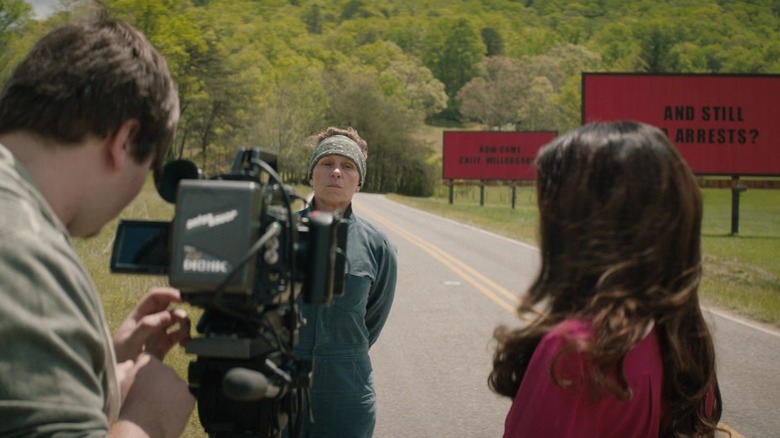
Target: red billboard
{"x":493,"y":155}
{"x":722,"y":124}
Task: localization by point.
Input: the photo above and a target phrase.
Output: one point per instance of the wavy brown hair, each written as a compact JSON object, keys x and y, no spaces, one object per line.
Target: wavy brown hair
{"x":620,"y":226}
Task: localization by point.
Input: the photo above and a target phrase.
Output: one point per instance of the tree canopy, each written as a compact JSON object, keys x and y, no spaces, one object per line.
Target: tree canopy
{"x":269,"y":73}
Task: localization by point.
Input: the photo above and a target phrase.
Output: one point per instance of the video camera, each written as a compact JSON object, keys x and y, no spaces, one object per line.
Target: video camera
{"x":237,"y":250}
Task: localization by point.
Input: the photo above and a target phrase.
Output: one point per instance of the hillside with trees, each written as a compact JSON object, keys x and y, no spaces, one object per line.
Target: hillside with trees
{"x":268,"y":73}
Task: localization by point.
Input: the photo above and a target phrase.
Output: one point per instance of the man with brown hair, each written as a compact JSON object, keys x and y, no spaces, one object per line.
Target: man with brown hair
{"x":83,"y":118}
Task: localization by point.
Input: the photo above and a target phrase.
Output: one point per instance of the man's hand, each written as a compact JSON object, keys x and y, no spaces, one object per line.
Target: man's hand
{"x":148,"y":327}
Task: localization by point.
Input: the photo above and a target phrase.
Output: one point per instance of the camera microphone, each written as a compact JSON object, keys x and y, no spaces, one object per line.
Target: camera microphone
{"x":242,"y":384}
{"x":173,"y":172}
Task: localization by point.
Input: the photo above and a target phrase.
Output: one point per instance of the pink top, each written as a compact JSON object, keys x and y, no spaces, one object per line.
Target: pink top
{"x":544,"y":409}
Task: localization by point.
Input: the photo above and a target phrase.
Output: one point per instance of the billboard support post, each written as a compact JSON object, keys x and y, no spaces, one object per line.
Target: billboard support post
{"x":736,"y":191}
{"x":451,"y":184}
{"x":482,"y":193}
{"x":514,"y":195}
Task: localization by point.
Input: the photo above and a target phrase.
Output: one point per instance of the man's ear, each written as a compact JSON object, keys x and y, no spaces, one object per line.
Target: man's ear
{"x":120,"y":145}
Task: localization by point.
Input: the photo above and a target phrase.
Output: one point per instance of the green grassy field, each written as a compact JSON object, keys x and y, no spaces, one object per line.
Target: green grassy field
{"x":742,"y":272}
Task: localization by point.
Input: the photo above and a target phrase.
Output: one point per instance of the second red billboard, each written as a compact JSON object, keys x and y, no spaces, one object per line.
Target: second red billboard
{"x":492,"y":155}
{"x":722,"y":124}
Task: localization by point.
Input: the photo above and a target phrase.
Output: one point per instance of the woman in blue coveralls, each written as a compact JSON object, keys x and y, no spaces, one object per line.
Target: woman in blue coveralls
{"x":337,"y":337}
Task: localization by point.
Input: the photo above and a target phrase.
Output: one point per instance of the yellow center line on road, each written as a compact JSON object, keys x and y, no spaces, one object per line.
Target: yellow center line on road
{"x":460,"y":268}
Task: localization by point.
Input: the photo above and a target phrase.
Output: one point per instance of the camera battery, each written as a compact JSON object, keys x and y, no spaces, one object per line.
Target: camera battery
{"x":215,"y":225}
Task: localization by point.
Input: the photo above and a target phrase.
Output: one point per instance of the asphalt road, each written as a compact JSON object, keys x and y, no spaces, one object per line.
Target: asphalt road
{"x":456,"y":284}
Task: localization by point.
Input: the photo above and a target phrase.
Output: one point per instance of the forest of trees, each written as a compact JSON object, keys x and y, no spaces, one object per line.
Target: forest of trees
{"x":269,"y":73}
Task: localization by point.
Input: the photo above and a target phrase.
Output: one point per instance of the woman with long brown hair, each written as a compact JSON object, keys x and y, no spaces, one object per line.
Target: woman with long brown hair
{"x":621,"y":348}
